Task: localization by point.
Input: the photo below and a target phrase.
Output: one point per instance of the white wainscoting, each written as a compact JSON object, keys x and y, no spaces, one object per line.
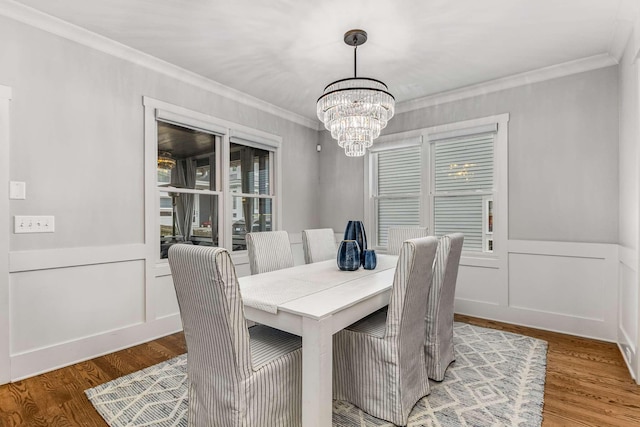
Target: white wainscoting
{"x":628,"y":307}
{"x":558,"y":286}
{"x":63,"y":313}
{"x":73,"y":304}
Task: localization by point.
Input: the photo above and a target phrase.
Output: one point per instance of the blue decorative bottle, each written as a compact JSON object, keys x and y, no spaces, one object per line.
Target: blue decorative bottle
{"x":355,"y":231}
{"x":370,"y":259}
{"x":348,"y":255}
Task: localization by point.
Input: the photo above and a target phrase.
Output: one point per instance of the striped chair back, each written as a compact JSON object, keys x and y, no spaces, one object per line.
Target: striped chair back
{"x":269,"y":251}
{"x":377,"y":363}
{"x":397,"y":235}
{"x":439,"y":349}
{"x":319,"y":245}
{"x":411,"y":285}
{"x":214,"y":326}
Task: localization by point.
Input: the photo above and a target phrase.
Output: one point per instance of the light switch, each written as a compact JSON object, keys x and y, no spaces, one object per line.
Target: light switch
{"x":33,"y":224}
{"x":17,"y":190}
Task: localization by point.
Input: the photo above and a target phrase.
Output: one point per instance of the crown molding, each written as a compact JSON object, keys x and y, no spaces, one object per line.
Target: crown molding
{"x":58,"y":27}
{"x":529,"y":77}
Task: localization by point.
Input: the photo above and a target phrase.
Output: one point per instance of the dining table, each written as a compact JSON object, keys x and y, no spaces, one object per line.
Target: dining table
{"x":315,"y":301}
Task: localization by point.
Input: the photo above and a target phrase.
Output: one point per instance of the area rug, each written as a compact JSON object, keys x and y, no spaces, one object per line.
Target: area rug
{"x":496,"y":380}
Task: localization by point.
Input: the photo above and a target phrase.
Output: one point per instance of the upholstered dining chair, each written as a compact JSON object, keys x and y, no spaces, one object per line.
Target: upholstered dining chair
{"x":397,"y":235}
{"x":377,"y":363}
{"x":319,"y":245}
{"x":269,"y":251}
{"x":439,"y":351}
{"x":238,"y":376}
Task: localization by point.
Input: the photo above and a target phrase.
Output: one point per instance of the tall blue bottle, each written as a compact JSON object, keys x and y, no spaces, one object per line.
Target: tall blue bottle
{"x":355,"y":231}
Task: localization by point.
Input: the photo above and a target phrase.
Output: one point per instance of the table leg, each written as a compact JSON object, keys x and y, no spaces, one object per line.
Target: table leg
{"x":317,"y":361}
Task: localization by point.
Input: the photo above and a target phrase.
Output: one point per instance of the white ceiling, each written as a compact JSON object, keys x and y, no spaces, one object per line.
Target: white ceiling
{"x":286,"y":51}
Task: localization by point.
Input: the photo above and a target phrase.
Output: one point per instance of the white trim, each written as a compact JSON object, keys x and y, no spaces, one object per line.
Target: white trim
{"x":552,"y":72}
{"x":628,"y":257}
{"x":497,"y":258}
{"x":544,"y":320}
{"x":154,"y":110}
{"x":72,"y":257}
{"x":570,"y":249}
{"x":5,"y":362}
{"x":53,"y":25}
{"x":59,"y":355}
{"x":412,"y":138}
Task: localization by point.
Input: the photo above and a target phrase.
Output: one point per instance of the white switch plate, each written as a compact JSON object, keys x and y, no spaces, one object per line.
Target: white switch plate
{"x":33,"y":224}
{"x":17,"y":190}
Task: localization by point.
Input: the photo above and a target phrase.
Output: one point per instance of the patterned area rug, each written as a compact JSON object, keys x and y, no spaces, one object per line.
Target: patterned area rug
{"x":496,"y":380}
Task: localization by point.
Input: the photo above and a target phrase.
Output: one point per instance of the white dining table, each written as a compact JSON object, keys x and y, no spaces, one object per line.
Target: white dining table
{"x":315,"y":301}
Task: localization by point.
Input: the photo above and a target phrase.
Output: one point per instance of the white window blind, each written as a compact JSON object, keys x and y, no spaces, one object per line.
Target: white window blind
{"x":463,"y":173}
{"x":398,"y":190}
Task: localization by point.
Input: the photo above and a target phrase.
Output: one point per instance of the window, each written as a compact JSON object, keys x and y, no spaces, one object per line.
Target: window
{"x":250,"y":186}
{"x":224,"y":181}
{"x":462,"y":176}
{"x":449,"y":178}
{"x":396,"y":190}
{"x":188,"y":192}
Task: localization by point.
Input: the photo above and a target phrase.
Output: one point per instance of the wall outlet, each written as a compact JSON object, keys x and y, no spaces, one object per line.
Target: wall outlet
{"x":33,"y":224}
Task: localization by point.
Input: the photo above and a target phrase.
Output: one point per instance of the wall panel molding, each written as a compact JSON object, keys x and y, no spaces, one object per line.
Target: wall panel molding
{"x":628,"y":307}
{"x":71,"y":257}
{"x":544,"y":290}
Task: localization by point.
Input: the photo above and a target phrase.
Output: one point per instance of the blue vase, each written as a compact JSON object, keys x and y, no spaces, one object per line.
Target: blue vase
{"x":355,"y":231}
{"x":348,"y":255}
{"x":370,"y":259}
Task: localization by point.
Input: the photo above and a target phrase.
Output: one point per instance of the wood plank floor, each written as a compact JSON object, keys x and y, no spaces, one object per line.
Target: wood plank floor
{"x":587,"y":383}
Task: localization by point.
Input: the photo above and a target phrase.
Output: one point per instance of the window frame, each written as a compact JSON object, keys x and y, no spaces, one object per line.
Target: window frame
{"x":385,"y":143}
{"x":156,"y":110}
{"x":499,"y":195}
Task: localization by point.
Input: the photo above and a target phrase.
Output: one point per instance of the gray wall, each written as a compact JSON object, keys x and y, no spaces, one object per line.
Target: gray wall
{"x":563,"y":157}
{"x":77,"y":139}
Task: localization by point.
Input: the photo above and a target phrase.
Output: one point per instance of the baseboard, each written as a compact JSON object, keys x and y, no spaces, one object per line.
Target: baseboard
{"x":553,"y":322}
{"x":46,"y":359}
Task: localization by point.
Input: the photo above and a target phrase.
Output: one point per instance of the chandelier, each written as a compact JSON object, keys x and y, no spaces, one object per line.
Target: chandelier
{"x":165,"y":161}
{"x":356,"y":109}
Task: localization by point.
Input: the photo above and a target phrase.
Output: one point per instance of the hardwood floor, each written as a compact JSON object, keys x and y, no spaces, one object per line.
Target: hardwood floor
{"x":587,"y":383}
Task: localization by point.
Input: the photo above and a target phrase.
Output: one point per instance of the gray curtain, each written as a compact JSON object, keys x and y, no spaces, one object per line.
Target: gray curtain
{"x":246,"y":166}
{"x":184,"y":176}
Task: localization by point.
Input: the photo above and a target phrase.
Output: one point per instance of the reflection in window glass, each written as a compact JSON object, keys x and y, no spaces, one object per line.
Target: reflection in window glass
{"x":258,"y":210}
{"x":189,"y":218}
{"x":249,"y":170}
{"x":188,"y":162}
